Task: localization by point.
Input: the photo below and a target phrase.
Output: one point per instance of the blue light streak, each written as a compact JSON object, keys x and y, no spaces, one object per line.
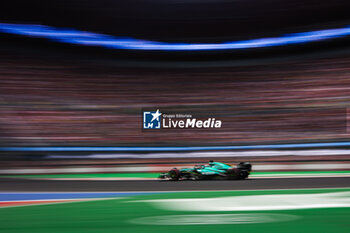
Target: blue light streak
{"x":181,"y":148}
{"x":72,"y":36}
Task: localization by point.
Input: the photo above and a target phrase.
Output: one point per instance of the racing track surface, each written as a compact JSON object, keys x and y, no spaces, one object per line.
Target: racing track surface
{"x":10,"y":184}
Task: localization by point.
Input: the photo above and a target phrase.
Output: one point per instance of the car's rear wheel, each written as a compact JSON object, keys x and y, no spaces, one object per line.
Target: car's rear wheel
{"x":245,"y":166}
{"x":174,"y":174}
{"x":243,"y":174}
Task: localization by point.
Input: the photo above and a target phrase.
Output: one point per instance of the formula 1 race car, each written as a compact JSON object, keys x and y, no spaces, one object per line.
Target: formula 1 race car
{"x":213,"y":170}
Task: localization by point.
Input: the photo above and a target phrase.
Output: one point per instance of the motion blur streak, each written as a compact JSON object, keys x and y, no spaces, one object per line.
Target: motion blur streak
{"x":93,"y":39}
{"x":186,"y":148}
{"x":257,"y":202}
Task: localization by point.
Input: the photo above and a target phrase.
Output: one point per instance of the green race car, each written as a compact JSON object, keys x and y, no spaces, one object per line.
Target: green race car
{"x":213,"y":170}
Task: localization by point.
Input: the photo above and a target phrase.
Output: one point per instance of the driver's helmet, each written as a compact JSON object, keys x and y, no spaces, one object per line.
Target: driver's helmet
{"x":197,"y":166}
{"x":211,"y":163}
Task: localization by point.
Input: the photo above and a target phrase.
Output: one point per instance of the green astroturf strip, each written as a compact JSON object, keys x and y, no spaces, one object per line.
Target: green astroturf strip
{"x":118,"y":215}
{"x":155,"y":175}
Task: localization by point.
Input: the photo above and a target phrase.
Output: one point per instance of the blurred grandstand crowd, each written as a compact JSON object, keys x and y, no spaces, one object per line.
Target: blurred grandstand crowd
{"x":53,"y":102}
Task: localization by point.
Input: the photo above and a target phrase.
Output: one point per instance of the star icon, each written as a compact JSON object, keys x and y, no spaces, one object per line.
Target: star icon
{"x":156,"y":115}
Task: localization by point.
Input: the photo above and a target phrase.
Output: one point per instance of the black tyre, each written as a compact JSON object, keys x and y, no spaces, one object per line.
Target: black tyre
{"x":174,"y":174}
{"x":244,"y":165}
{"x":243,"y":174}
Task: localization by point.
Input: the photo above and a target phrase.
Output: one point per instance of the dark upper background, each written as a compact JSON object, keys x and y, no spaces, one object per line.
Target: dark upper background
{"x":60,"y":94}
{"x":181,"y":20}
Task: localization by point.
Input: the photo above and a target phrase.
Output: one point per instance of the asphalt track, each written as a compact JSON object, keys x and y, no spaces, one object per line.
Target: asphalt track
{"x":27,"y":185}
